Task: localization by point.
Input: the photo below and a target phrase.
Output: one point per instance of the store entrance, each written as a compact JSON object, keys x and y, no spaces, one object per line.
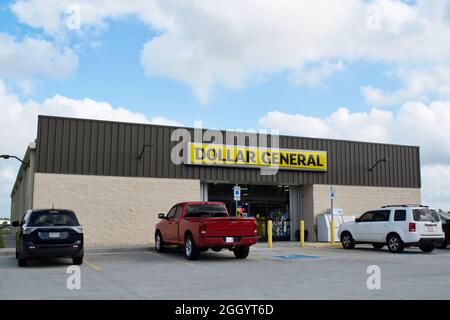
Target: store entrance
{"x":260,"y":201}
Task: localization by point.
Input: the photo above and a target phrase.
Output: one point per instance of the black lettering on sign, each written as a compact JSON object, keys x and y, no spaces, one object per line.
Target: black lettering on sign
{"x":199,"y":153}
{"x":311,"y":160}
{"x":240,"y":156}
{"x":211,"y":154}
{"x":302,"y":160}
{"x":251,"y":156}
{"x":318,"y":161}
{"x":265,"y":157}
{"x":284,"y":158}
{"x":292,"y":159}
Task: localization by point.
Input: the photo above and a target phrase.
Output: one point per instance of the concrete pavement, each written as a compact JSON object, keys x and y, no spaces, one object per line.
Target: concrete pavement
{"x":284,"y":272}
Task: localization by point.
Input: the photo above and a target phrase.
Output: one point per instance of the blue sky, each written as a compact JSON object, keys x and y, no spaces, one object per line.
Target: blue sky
{"x":362,"y":70}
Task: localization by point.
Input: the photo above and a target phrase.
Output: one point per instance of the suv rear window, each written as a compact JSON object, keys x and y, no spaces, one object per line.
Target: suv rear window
{"x":53,"y":218}
{"x":425,"y":214}
{"x":206,"y":210}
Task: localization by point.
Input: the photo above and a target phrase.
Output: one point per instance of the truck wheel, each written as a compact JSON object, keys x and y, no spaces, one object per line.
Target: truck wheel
{"x":443,"y":244}
{"x":241,"y":252}
{"x":190,"y":249}
{"x":347,"y":240}
{"x":395,"y":244}
{"x":427,"y":248}
{"x":77,"y":260}
{"x":22,"y":262}
{"x":159,"y":243}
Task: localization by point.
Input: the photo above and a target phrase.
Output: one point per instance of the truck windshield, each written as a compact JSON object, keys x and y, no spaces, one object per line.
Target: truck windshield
{"x":425,"y":214}
{"x":53,"y":218}
{"x":206,"y":210}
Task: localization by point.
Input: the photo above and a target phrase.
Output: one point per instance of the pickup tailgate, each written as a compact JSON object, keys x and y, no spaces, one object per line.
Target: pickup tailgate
{"x":230,"y":227}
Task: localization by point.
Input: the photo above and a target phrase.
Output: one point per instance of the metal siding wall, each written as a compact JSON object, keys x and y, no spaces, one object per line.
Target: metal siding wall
{"x":77,"y":146}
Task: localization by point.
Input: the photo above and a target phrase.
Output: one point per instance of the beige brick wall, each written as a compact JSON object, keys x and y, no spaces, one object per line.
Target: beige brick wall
{"x":114,"y":211}
{"x":353,"y":200}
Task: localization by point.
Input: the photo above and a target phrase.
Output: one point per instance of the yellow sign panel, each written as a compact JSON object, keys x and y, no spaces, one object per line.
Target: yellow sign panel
{"x":241,"y":156}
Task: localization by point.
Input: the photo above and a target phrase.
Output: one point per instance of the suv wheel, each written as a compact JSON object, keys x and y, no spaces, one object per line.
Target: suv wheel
{"x":77,"y":261}
{"x":395,"y":244}
{"x":427,"y":247}
{"x":443,"y":244}
{"x":190,"y":249}
{"x":159,"y":243}
{"x":347,"y":240}
{"x":241,"y":252}
{"x":22,"y":262}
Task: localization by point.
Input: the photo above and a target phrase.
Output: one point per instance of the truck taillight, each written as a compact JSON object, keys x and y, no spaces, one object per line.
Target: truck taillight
{"x":203,"y":229}
{"x":412,"y":227}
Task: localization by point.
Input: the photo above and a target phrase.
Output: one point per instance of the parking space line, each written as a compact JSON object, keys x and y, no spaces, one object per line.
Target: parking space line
{"x":169,"y":257}
{"x":93,"y":266}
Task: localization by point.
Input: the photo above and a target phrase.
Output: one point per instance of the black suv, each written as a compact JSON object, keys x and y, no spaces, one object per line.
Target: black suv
{"x":49,"y":233}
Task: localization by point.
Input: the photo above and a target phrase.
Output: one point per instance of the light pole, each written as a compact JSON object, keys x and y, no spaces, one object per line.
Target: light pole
{"x":7,"y":156}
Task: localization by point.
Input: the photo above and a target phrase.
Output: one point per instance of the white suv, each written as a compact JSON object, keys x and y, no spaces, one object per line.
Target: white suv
{"x":397,"y":226}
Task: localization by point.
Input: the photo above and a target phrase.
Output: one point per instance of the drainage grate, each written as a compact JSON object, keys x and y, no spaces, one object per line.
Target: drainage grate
{"x":297,"y":257}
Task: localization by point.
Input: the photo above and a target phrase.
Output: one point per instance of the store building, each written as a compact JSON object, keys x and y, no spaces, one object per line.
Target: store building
{"x":118,"y":176}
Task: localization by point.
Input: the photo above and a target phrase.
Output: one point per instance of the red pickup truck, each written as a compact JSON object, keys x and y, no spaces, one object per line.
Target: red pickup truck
{"x":199,"y":226}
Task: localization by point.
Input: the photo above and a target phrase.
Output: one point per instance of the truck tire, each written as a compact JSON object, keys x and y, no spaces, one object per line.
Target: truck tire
{"x":241,"y":252}
{"x":427,"y":248}
{"x":191,"y":251}
{"x":395,"y":243}
{"x":159,"y":243}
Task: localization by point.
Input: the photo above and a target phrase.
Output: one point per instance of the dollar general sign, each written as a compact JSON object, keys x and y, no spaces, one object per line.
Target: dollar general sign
{"x":241,"y":156}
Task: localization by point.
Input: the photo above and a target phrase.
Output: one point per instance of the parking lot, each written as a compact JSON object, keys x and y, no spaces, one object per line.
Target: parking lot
{"x":284,"y":272}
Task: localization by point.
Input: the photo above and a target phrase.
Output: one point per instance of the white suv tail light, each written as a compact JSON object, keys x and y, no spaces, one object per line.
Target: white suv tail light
{"x":412,"y":227}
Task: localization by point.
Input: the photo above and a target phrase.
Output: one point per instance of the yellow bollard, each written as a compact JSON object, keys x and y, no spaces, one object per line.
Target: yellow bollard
{"x":269,"y":233}
{"x":302,"y":233}
{"x":332,"y":231}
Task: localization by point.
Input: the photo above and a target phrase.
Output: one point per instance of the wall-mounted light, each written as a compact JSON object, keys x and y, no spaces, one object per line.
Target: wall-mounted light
{"x":378,"y":162}
{"x":145,"y":145}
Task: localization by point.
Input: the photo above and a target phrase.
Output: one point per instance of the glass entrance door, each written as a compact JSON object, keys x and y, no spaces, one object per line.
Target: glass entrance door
{"x":263,"y":202}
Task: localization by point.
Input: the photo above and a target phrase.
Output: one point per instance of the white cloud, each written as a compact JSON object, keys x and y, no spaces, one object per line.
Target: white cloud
{"x":236,"y":43}
{"x":7,"y":174}
{"x":415,"y":123}
{"x":316,"y":75}
{"x":341,"y":124}
{"x":436,"y":191}
{"x":419,"y":83}
{"x":24,"y":60}
{"x":18,"y":121}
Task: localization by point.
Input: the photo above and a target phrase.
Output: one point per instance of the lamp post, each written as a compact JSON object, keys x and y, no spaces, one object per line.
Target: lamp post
{"x":7,"y":156}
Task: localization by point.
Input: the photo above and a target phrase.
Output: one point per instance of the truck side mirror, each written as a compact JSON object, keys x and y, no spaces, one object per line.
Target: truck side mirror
{"x":161,"y":216}
{"x":15,"y":223}
{"x":357,"y":220}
